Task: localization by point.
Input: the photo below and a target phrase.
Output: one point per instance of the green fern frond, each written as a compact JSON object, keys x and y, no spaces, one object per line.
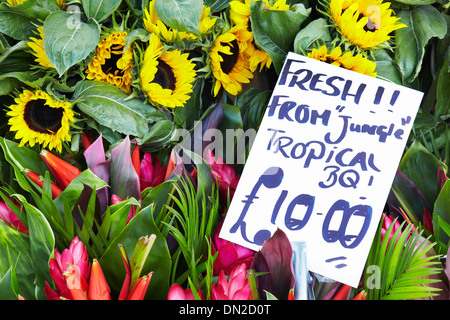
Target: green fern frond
{"x":406,"y":265}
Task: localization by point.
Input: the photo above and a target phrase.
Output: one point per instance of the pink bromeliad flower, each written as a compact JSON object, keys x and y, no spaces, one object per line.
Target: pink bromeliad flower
{"x":235,"y":288}
{"x":152,"y":173}
{"x":230,"y":255}
{"x":75,"y":255}
{"x":224,"y":174}
{"x":8,"y":216}
{"x":388,"y":220}
{"x":176,"y":292}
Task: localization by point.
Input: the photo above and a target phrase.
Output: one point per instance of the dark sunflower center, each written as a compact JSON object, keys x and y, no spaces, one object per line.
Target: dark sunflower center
{"x":42,"y":118}
{"x":164,"y":76}
{"x":229,"y":61}
{"x":370,"y":26}
{"x":110,"y":65}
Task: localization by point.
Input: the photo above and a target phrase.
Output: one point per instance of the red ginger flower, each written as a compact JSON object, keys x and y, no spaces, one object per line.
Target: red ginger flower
{"x":77,"y":256}
{"x":152,"y":173}
{"x":8,"y":216}
{"x":223,"y":174}
{"x":61,"y":170}
{"x":230,"y":255}
{"x":36,"y":178}
{"x":98,"y":287}
{"x":176,"y":292}
{"x":236,"y":288}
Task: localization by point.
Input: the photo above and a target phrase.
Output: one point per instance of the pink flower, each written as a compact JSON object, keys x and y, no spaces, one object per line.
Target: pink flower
{"x":236,"y":288}
{"x":176,"y":292}
{"x":224,"y":174}
{"x":151,"y":171}
{"x":388,"y":220}
{"x":76,"y":255}
{"x":8,"y":216}
{"x":230,"y":255}
{"x":115,"y":199}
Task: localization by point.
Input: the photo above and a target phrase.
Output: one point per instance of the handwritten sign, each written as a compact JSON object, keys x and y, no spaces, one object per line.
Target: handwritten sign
{"x":322,"y":164}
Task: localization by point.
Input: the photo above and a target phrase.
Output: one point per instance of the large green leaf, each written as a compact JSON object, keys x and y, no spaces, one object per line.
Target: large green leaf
{"x":316,"y":30}
{"x":15,"y":250}
{"x":217,"y":5}
{"x":68,"y":40}
{"x":8,"y":285}
{"x":76,"y":186}
{"x":442,"y":209}
{"x":421,"y":167}
{"x":423,"y":23}
{"x":22,"y":158}
{"x":386,"y":68}
{"x":181,"y":15}
{"x":19,"y":21}
{"x":442,"y":107}
{"x":274,"y":31}
{"x":158,"y":260}
{"x":100,"y":9}
{"x":42,"y":242}
{"x":111,"y":107}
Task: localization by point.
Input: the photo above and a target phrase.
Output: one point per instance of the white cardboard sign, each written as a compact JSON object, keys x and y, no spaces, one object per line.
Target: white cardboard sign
{"x":322,"y":164}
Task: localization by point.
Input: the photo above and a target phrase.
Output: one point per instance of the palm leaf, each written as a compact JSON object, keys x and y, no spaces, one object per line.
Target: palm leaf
{"x":190,"y":220}
{"x":406,"y":264}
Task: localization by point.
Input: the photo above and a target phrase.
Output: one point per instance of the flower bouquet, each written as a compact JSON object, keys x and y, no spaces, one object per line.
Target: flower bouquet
{"x":111,"y":187}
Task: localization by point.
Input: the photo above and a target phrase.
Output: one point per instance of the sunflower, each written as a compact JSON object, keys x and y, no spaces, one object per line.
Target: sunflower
{"x":240,"y":15}
{"x":17,"y":2}
{"x":347,"y":60}
{"x":155,"y":25}
{"x":37,"y":47}
{"x":38,"y":118}
{"x":230,"y":66}
{"x":166,"y":76}
{"x":111,"y":64}
{"x":365,"y":23}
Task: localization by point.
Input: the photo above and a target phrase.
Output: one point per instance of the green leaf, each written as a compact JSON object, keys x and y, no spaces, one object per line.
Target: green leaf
{"x":159,"y":135}
{"x":100,"y":9}
{"x":423,"y":23}
{"x":252,"y":104}
{"x":136,"y":34}
{"x":386,"y":68}
{"x":405,"y":265}
{"x":421,"y":167}
{"x":274,"y":31}
{"x":8,"y":285}
{"x":313,"y":32}
{"x":442,"y":209}
{"x":442,"y":106}
{"x":42,"y":242}
{"x":217,"y":5}
{"x":68,"y":40}
{"x":417,"y":2}
{"x":111,"y":107}
{"x":19,"y":21}
{"x":158,"y":260}
{"x":180,"y":15}
{"x":15,"y":250}
{"x":75,"y":188}
{"x":21,"y":157}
